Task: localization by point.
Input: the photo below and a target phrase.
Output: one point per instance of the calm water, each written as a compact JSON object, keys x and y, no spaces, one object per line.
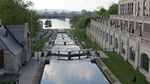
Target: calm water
{"x":71,"y":72}
{"x":57,"y":23}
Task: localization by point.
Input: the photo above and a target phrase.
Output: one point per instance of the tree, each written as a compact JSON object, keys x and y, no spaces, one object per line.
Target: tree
{"x":48,"y":23}
{"x":17,"y":12}
{"x":103,"y":13}
{"x":113,"y":9}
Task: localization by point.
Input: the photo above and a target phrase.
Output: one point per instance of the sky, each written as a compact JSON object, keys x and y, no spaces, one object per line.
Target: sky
{"x":72,"y":5}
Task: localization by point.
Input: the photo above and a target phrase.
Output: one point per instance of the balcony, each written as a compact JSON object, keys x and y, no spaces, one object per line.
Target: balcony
{"x":131,"y":18}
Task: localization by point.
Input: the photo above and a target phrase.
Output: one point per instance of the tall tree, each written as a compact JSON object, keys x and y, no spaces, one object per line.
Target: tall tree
{"x":48,"y":23}
{"x":17,"y":12}
{"x":103,"y":13}
{"x":113,"y":9}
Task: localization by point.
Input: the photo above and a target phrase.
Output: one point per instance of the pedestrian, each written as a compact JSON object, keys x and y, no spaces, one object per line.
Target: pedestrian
{"x":95,"y":54}
{"x":88,"y":53}
{"x":98,"y":54}
{"x":42,"y":54}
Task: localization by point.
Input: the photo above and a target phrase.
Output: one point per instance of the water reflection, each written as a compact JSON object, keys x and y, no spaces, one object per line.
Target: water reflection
{"x":72,"y":72}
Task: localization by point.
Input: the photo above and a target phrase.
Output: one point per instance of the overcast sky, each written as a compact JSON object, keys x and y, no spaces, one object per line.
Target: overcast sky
{"x":74,"y":5}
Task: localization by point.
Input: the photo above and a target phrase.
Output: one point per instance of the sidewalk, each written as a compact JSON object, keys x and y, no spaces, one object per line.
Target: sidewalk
{"x":31,"y":73}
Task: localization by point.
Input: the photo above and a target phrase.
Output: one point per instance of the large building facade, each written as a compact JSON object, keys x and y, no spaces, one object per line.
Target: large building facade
{"x":127,"y":33}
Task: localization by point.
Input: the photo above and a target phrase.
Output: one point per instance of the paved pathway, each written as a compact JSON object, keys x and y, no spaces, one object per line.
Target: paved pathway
{"x":103,"y":55}
{"x":31,"y":73}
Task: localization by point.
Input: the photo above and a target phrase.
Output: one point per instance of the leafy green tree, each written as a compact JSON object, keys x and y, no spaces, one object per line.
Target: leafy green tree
{"x":113,"y":9}
{"x":74,"y":20}
{"x":103,"y":13}
{"x":17,"y":12}
{"x":48,"y":23}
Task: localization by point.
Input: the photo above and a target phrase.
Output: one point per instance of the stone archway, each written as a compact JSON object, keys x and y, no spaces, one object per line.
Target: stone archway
{"x":132,"y":53}
{"x":145,"y":62}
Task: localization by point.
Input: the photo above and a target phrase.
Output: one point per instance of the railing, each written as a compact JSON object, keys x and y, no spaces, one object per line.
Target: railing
{"x":129,"y":17}
{"x":145,"y":41}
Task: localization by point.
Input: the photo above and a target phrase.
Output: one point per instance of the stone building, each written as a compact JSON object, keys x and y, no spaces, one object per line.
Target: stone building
{"x":15,"y":48}
{"x":127,"y":33}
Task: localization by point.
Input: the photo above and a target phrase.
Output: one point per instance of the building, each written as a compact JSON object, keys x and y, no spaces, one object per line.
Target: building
{"x":15,"y":48}
{"x":127,"y":33}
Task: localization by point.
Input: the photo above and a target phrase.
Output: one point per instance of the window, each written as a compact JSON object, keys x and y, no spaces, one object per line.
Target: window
{"x":103,"y":35}
{"x":107,"y":37}
{"x":145,"y":62}
{"x":138,"y":14}
{"x":122,"y":47}
{"x":110,"y":40}
{"x":116,"y":43}
{"x":132,"y":54}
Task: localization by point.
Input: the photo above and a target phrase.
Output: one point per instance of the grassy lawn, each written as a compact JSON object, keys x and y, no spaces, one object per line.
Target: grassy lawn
{"x":122,"y":69}
{"x":81,"y":35}
{"x":6,"y":82}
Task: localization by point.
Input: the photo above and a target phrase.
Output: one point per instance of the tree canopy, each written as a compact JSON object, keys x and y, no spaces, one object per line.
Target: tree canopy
{"x":48,"y":23}
{"x":82,"y":20}
{"x":17,"y":12}
{"x":113,"y":9}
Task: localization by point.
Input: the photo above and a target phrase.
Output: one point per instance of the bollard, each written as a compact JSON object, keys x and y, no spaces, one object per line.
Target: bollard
{"x":69,"y":55}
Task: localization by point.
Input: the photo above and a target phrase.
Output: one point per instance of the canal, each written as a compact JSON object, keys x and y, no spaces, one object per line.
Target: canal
{"x":60,"y":70}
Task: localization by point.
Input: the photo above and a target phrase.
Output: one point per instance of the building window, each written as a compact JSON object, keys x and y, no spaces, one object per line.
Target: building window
{"x":122,"y":47}
{"x":116,"y":43}
{"x":107,"y":37}
{"x":131,"y":27}
{"x":146,"y":27}
{"x":144,"y":8}
{"x":138,"y":14}
{"x":103,"y":35}
{"x":110,"y":40}
{"x":140,"y":26}
{"x":145,"y":62}
{"x":132,"y":54}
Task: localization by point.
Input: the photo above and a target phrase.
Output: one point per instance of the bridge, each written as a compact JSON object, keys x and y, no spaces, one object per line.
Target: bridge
{"x":69,"y":54}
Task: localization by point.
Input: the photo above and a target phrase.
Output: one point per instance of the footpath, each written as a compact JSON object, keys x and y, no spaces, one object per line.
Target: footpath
{"x":32,"y":72}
